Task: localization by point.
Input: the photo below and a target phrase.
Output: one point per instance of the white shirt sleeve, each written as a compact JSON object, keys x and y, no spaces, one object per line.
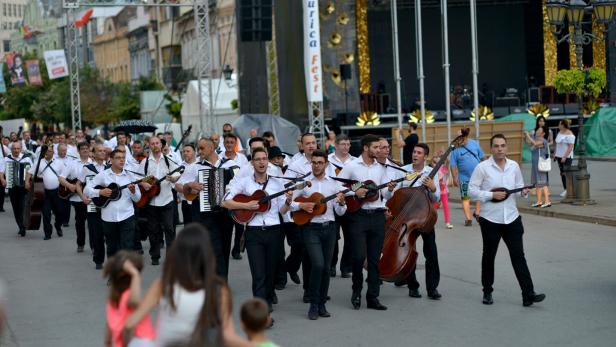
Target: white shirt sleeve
{"x":97,"y":180}
{"x":474,"y":186}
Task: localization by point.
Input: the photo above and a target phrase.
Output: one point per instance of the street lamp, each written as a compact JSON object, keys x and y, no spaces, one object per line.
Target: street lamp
{"x":227,"y":72}
{"x":576,"y":9}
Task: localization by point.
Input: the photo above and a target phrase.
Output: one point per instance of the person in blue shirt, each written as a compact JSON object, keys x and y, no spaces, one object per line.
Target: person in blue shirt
{"x":463,"y":161}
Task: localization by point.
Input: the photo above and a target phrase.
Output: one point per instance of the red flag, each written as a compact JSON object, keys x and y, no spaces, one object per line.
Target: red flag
{"x":85,"y":19}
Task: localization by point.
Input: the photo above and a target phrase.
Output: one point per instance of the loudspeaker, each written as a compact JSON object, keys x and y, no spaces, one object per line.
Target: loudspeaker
{"x":500,"y":111}
{"x":345,"y":72}
{"x":255,"y":20}
{"x":346,"y":118}
{"x":572,"y":108}
{"x":533,"y":94}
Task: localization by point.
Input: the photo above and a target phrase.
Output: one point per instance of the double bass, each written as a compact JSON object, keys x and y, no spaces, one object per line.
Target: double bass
{"x":412,"y":213}
{"x":35,"y":197}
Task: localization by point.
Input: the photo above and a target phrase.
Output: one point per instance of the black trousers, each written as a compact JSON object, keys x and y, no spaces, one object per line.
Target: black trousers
{"x":17,"y":196}
{"x":81,"y":211}
{"x":186,"y":212}
{"x":319,"y":240}
{"x":160,"y":225}
{"x":2,"y":195}
{"x":51,"y":203}
{"x":433,"y":273}
{"x":176,"y":213}
{"x":141,"y":227}
{"x":512,"y":235}
{"x":562,"y":167}
{"x":97,"y":236}
{"x":237,"y":241}
{"x":366,"y":235}
{"x":119,"y":235}
{"x":263,"y":247}
{"x":220,"y":226}
{"x":346,"y":261}
{"x":292,"y":263}
{"x":65,"y":210}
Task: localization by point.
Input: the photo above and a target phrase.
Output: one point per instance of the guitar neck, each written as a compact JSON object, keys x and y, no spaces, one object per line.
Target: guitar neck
{"x":134,"y":182}
{"x":517,"y":190}
{"x":333,"y":196}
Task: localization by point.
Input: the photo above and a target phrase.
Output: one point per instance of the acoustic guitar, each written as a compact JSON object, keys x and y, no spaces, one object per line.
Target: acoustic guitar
{"x":65,"y":193}
{"x":147,"y":195}
{"x":302,"y":217}
{"x":509,"y":191}
{"x":354,"y":203}
{"x":261,"y":196}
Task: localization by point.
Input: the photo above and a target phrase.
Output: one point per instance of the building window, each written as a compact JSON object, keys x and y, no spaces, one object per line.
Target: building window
{"x":6,"y":45}
{"x":4,"y":10}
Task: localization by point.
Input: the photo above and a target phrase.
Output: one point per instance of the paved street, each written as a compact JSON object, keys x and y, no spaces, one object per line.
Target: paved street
{"x":57,"y":298}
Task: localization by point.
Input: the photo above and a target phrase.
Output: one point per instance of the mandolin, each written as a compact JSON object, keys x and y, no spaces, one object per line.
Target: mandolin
{"x":147,"y":195}
{"x":116,"y":193}
{"x":245,"y":216}
{"x":354,"y":203}
{"x":302,"y":217}
{"x":509,"y":191}
{"x":65,"y":193}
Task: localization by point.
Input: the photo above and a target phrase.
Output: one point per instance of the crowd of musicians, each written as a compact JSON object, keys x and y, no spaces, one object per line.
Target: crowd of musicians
{"x":258,"y":194}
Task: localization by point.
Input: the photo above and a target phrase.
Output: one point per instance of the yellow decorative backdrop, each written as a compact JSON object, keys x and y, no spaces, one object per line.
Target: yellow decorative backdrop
{"x":550,"y":61}
{"x":363,"y":53}
{"x":598,"y":47}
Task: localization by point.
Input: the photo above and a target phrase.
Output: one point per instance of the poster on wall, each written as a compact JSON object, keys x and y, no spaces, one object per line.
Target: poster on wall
{"x":2,"y":84}
{"x":15,"y":64}
{"x":56,"y":64}
{"x":34,"y":72}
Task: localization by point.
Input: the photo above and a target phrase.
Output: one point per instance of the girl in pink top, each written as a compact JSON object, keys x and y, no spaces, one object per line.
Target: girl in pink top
{"x":123,"y":271}
{"x":442,"y":174}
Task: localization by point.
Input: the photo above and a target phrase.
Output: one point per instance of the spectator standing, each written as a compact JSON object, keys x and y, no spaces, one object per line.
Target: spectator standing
{"x":463,"y":161}
{"x":563,"y":154}
{"x":540,"y":149}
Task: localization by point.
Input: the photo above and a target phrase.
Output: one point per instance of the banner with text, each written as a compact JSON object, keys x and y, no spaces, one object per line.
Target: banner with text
{"x":15,"y":64}
{"x":312,"y":51}
{"x":56,"y":64}
{"x":34,"y":72}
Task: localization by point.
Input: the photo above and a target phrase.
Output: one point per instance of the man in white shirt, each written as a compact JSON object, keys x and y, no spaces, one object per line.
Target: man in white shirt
{"x":63,"y":158}
{"x":160,"y":207}
{"x":368,"y":223}
{"x":263,"y":233}
{"x":188,"y":152}
{"x":49,"y":170}
{"x":230,"y":142}
{"x":228,"y":129}
{"x":4,"y":152}
{"x":17,"y":193}
{"x":118,"y":216}
{"x":501,"y":219}
{"x":419,"y":157}
{"x":319,"y":235}
{"x":339,"y":159}
{"x":217,"y":219}
{"x":73,"y":172}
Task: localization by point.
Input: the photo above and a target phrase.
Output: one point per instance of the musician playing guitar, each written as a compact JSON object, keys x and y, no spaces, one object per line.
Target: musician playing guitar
{"x":419,"y":157}
{"x":72,"y":172}
{"x":368,"y":223}
{"x":160,"y":208}
{"x":501,"y":219}
{"x":17,"y":193}
{"x":319,"y":235}
{"x":217,"y":221}
{"x":263,"y":233}
{"x":49,"y":171}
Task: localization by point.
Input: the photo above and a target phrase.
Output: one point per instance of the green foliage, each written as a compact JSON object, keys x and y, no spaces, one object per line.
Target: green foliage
{"x":589,"y":82}
{"x":174,"y":107}
{"x":235,"y":104}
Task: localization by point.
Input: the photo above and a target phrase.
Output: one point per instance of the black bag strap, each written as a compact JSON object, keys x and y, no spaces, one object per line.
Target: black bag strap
{"x":473,"y":154}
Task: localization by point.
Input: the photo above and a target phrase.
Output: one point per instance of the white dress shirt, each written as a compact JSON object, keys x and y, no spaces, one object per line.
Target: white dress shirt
{"x":360,"y":171}
{"x":249,"y":170}
{"x":221,"y":145}
{"x":488,"y":175}
{"x":337,"y":162}
{"x":326,"y":186}
{"x":74,"y":170}
{"x":240,"y":159}
{"x":425,"y":172}
{"x":301,"y":166}
{"x":186,"y":177}
{"x":247,"y":186}
{"x":191,"y":172}
{"x":121,"y":209}
{"x":50,"y":178}
{"x":159,"y":169}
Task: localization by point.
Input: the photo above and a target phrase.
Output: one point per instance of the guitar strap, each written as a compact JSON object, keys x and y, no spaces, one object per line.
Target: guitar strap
{"x":51,"y":167}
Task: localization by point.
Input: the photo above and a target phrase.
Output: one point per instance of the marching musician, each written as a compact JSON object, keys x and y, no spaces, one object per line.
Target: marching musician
{"x":339,"y":159}
{"x":27,"y":144}
{"x":160,"y":208}
{"x":49,"y":170}
{"x":73,"y":170}
{"x":230,"y":143}
{"x":118,"y":216}
{"x":263,"y":233}
{"x":319,"y":236}
{"x":17,"y":193}
{"x":94,"y":217}
{"x":367,"y":225}
{"x":502,"y":219}
{"x":4,"y":152}
{"x":420,"y":155}
{"x":189,"y":160}
{"x":217,"y":221}
{"x":66,"y":161}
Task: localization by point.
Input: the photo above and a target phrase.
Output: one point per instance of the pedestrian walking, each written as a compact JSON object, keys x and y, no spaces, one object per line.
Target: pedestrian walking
{"x":563,"y":155}
{"x":442,"y":177}
{"x":463,"y":161}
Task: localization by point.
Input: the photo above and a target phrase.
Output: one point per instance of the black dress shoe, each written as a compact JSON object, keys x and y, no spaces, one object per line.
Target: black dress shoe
{"x":376,"y":305}
{"x":345,"y":274}
{"x":313,"y":313}
{"x":22,"y":233}
{"x":65,"y":225}
{"x":356,"y":300}
{"x":47,"y":238}
{"x":306,"y":298}
{"x":275,"y":299}
{"x":323,"y":311}
{"x":400,"y":283}
{"x":487,"y":299}
{"x":236,"y":256}
{"x":434,"y":295}
{"x":294,"y":277}
{"x":79,"y":249}
{"x":99,"y":266}
{"x":414,"y":293}
{"x":155,"y":262}
{"x":332,"y":272}
{"x":279,"y":286}
{"x":533,"y":298}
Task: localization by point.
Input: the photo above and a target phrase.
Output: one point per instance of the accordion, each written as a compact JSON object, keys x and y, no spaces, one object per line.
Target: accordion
{"x":15,"y":173}
{"x":215,"y":183}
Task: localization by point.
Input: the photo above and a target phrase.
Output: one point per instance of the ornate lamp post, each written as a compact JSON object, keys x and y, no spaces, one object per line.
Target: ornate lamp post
{"x":575,"y":10}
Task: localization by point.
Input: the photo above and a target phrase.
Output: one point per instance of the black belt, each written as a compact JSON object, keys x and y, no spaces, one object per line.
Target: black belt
{"x":263,"y":228}
{"x":324,"y":224}
{"x":371,"y":211}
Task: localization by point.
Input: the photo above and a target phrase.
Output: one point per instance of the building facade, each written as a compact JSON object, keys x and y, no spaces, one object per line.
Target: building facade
{"x":11,"y":16}
{"x":40,"y":21}
{"x":138,"y":46}
{"x":111,"y":47}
